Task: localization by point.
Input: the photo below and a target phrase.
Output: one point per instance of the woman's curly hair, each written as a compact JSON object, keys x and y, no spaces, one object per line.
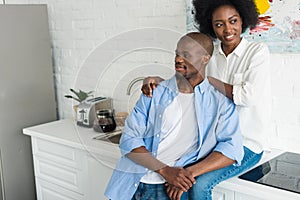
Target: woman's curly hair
{"x":204,"y":9}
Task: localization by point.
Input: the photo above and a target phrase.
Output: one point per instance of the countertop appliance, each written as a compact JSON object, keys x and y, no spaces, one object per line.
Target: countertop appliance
{"x":27,"y":94}
{"x":105,"y":121}
{"x":86,"y":112}
{"x":281,"y":172}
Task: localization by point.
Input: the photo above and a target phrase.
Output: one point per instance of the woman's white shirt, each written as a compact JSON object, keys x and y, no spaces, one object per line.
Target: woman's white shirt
{"x":247,"y":68}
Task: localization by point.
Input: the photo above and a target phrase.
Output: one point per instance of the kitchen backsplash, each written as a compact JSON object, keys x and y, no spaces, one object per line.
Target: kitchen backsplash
{"x":79,"y":28}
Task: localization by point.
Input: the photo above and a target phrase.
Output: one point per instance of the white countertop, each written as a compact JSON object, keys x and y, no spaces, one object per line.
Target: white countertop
{"x":66,"y":132}
{"x":259,"y":190}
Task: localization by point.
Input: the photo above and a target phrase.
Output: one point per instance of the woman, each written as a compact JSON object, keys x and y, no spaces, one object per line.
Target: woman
{"x":240,"y":70}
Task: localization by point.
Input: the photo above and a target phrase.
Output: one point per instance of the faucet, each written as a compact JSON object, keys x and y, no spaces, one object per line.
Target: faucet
{"x":132,"y":83}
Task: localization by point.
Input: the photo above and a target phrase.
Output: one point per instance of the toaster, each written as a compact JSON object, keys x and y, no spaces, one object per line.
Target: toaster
{"x":86,"y":112}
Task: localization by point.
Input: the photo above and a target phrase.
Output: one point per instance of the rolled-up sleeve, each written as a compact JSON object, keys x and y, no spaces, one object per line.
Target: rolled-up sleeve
{"x":247,"y":86}
{"x":135,"y":126}
{"x":228,"y":134}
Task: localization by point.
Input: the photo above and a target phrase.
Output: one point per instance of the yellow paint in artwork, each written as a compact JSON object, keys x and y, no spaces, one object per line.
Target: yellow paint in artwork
{"x":262,"y":6}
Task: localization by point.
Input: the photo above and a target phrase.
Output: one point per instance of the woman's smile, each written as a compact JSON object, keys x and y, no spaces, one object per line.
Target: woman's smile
{"x":227,"y":25}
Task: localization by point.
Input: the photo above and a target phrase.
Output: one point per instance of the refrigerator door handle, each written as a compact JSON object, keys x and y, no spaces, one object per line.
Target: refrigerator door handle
{"x":2,"y":194}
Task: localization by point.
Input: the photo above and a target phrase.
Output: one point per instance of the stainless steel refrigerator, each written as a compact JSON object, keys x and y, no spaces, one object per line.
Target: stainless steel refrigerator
{"x":27,"y":94}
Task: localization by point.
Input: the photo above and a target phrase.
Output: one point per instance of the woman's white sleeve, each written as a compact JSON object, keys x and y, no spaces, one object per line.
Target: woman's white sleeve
{"x":248,"y":86}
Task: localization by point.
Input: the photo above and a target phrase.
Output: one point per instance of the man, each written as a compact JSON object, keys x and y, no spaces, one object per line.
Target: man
{"x":186,"y":129}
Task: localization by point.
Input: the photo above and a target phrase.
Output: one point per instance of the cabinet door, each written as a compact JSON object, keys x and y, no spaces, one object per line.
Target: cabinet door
{"x":59,"y":174}
{"x":222,"y":194}
{"x":59,"y":164}
{"x":240,"y":196}
{"x":49,"y":191}
{"x":99,"y":173}
{"x":57,"y":153}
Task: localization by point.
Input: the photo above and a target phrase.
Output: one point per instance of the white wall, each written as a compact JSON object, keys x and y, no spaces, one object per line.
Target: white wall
{"x":78,"y":28}
{"x":286,"y":101}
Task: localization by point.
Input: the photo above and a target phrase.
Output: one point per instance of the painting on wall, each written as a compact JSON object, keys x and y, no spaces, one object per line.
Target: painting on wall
{"x":278,"y":27}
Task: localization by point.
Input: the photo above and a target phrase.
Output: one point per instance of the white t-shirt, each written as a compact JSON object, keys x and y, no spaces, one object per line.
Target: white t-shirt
{"x":179,"y":134}
{"x":247,"y":69}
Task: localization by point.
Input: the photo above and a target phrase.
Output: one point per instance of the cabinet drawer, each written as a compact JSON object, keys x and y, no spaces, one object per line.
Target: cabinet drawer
{"x":241,"y":196}
{"x":49,"y":191}
{"x":222,"y":194}
{"x":67,"y":177}
{"x":58,"y":153}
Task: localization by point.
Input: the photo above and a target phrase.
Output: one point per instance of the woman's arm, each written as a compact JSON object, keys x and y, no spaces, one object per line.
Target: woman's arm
{"x":252,"y":83}
{"x":249,"y":80}
{"x":222,"y":87}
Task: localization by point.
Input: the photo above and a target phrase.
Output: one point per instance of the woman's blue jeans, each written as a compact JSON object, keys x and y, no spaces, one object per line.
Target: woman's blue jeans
{"x":205,"y":183}
{"x":202,"y":190}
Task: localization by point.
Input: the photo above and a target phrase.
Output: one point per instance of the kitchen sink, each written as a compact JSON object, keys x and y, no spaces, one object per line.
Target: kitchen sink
{"x":112,"y":137}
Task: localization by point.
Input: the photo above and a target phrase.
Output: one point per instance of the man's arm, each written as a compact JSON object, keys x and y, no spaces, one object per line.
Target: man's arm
{"x":228,"y":150}
{"x":176,"y":176}
{"x":213,"y":161}
{"x":132,"y":146}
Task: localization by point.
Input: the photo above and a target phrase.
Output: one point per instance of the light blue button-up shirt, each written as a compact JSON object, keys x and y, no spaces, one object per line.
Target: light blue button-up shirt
{"x":218,"y":130}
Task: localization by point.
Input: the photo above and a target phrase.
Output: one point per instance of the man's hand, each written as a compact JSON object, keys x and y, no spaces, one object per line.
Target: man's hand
{"x":174,"y":192}
{"x":149,"y":84}
{"x":178,"y":177}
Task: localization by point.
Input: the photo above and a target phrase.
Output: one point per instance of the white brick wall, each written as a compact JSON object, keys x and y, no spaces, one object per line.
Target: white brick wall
{"x":286,"y":101}
{"x":78,"y":28}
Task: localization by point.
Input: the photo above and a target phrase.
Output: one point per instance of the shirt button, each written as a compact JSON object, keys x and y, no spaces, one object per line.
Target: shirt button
{"x":169,"y":101}
{"x":157,"y":135}
{"x":159,"y":116}
{"x":135,"y":185}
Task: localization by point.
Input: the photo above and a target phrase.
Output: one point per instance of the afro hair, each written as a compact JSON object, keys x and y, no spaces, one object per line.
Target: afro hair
{"x":204,"y":9}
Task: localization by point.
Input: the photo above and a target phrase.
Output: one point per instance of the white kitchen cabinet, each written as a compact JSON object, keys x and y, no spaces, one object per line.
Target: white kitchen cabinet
{"x":100,"y":171}
{"x":59,"y":170}
{"x":225,"y":194}
{"x":222,"y":194}
{"x":70,"y":165}
{"x":237,"y":189}
{"x":49,"y":191}
{"x":241,"y":196}
{"x":64,"y":172}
